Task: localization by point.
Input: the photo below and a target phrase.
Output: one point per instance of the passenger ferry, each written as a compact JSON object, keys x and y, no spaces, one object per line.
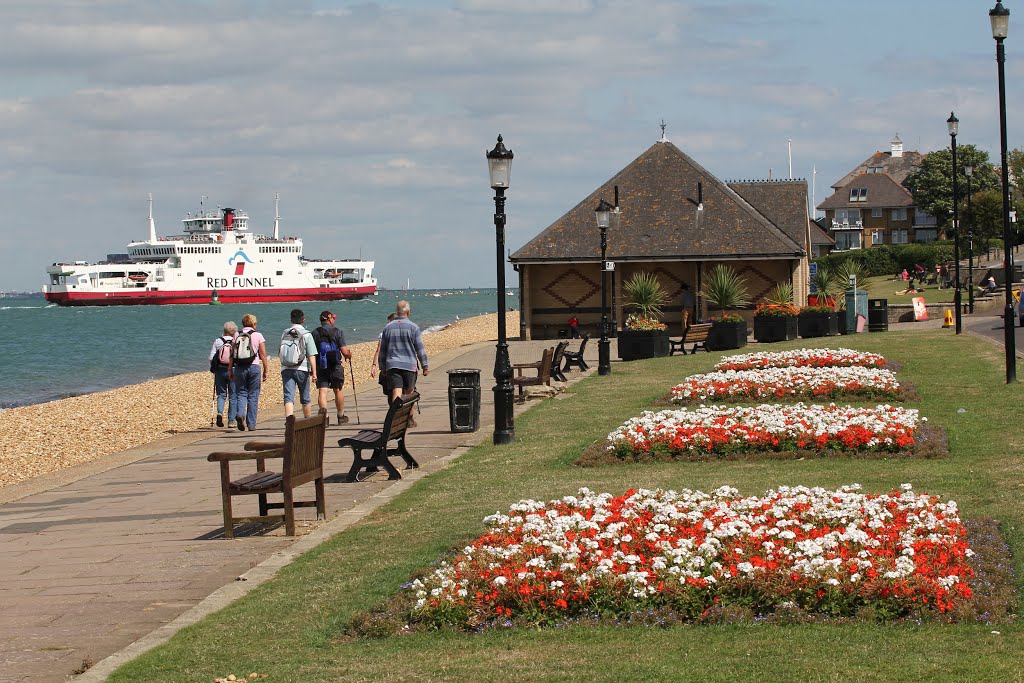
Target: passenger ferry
{"x":216,"y":259}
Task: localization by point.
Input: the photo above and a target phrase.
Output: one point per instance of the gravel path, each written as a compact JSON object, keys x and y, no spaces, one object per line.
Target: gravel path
{"x":52,"y":436}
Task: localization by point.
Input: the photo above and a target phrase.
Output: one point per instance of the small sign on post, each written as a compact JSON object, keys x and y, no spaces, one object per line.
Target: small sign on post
{"x":609,"y":265}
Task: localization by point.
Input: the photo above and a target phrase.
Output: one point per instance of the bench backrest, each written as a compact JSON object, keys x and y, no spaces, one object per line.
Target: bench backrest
{"x":696,"y":333}
{"x":304,"y":448}
{"x":399,"y":414}
{"x":556,"y":357}
{"x":545,"y":366}
{"x":583,"y":344}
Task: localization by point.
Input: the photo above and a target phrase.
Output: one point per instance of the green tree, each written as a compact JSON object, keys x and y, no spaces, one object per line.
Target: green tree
{"x":986,"y":217}
{"x":1015,"y":162}
{"x":932,"y":184}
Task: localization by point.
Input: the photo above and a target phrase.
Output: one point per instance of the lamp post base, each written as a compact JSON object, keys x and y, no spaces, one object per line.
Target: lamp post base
{"x":604,"y":357}
{"x":504,"y":427}
{"x":957,"y":299}
{"x":1009,"y":342}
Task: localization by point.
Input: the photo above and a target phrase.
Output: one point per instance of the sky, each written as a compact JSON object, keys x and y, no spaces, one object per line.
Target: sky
{"x":371,"y":119}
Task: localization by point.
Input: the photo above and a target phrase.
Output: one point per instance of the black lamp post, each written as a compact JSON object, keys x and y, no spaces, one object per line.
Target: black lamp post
{"x":953,"y":123}
{"x":605,"y":213}
{"x":499,"y":165}
{"x":1000,"y":18}
{"x":969,"y":171}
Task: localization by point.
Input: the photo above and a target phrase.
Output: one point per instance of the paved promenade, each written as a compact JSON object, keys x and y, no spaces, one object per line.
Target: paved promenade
{"x":103,"y":558}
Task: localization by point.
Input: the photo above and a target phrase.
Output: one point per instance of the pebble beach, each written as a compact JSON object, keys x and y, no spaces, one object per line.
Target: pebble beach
{"x":49,"y":437}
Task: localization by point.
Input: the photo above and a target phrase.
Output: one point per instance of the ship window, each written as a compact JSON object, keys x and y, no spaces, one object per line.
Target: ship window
{"x":280,"y":272}
{"x":199,"y":275}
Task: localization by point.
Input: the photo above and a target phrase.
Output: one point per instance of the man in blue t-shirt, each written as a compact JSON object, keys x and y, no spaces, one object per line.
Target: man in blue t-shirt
{"x":332,"y":372}
{"x":401,"y":348}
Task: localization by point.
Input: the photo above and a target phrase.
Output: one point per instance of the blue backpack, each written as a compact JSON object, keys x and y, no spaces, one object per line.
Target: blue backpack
{"x":328,"y":353}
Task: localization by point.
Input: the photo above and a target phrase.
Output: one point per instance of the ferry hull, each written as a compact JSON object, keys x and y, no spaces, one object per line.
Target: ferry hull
{"x":202,"y":296}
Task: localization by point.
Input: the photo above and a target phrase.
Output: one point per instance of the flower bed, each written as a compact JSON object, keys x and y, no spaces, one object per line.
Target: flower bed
{"x":836,"y":553}
{"x":717,"y":431}
{"x":798,"y":381}
{"x":801,"y":358}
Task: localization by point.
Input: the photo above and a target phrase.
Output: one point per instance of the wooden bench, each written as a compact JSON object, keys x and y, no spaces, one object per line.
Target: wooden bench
{"x":695,"y":334}
{"x":302,"y":453}
{"x":543,"y":368}
{"x":556,"y":362}
{"x":396,"y":423}
{"x":575,"y":358}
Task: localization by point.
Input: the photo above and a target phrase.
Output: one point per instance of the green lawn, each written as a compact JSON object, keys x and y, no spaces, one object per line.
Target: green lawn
{"x":291,"y":627}
{"x":886,"y":288}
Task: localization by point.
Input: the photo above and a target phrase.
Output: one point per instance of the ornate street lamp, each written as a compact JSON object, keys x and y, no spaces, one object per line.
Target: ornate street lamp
{"x":969,"y":171}
{"x":953,"y":123}
{"x":605,"y":214}
{"x":499,"y":164}
{"x":1000,"y":18}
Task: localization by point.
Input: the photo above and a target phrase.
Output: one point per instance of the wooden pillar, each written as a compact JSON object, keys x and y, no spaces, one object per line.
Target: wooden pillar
{"x":699,"y":294}
{"x":525,"y":319}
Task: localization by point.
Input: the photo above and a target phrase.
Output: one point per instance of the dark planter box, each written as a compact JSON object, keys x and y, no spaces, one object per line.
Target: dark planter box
{"x":769,"y":329}
{"x":637,"y":344}
{"x":818,"y":325}
{"x":723,"y":336}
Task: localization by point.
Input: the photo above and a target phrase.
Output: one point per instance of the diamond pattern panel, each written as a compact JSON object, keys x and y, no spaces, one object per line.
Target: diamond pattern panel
{"x":572,"y":288}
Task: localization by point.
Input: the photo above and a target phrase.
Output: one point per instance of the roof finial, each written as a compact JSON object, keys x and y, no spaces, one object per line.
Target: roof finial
{"x":663,"y":138}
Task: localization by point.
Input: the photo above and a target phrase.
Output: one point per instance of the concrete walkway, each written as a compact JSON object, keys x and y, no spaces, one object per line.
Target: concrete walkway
{"x":116,"y":550}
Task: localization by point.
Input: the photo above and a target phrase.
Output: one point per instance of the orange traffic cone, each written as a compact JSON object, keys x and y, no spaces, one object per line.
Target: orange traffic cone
{"x":948,"y":320}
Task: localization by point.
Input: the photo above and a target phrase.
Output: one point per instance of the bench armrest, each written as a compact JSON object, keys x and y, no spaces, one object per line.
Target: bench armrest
{"x":253,"y":455}
{"x":263,"y":445}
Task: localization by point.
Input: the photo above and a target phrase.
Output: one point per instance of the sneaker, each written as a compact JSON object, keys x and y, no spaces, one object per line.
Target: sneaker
{"x":220,"y":420}
{"x":240,"y":421}
{"x":343,"y":419}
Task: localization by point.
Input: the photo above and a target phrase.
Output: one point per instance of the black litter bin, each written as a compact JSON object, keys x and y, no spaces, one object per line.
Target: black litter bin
{"x":464,"y":399}
{"x":878,"y":315}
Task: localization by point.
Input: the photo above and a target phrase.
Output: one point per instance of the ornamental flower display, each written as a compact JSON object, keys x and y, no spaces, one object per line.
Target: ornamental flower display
{"x":801,"y":358}
{"x":638,"y":322}
{"x":716,"y":431}
{"x":784,"y":382}
{"x":766,"y":310}
{"x":830,"y":552}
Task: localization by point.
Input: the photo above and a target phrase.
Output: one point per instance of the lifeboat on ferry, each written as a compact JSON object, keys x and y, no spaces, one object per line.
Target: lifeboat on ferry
{"x":332,"y":273}
{"x":138,"y":277}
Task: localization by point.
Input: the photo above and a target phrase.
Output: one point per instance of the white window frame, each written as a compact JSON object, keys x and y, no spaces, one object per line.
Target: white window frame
{"x":877,"y":236}
{"x":876,"y":212}
{"x":900,"y":236}
{"x":899,"y":214}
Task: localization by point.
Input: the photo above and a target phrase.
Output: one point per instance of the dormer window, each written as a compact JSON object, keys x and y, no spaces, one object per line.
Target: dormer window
{"x":859,"y":194}
{"x":875,"y":169}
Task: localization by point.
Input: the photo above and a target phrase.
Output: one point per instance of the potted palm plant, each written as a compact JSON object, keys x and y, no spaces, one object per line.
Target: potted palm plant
{"x":819,"y":317}
{"x":726,"y":289}
{"x":775,"y":318}
{"x":643,"y":335}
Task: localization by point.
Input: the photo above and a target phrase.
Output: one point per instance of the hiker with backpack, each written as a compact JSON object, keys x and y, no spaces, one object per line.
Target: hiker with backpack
{"x":220,"y":359}
{"x":248,"y":370}
{"x":331,"y":348}
{"x":298,"y":363}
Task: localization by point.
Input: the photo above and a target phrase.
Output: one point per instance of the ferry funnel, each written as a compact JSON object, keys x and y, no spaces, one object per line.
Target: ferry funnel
{"x":229,"y":219}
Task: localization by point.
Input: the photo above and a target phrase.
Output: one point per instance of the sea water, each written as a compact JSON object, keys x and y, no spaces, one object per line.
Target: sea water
{"x":51,"y":352}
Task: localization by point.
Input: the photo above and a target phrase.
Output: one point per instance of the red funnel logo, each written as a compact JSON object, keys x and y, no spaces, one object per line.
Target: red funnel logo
{"x":239,"y":267}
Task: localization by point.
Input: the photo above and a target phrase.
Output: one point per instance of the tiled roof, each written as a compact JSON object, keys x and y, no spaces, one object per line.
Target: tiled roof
{"x":896,"y":167}
{"x":883,"y":192}
{"x":660,"y":220}
{"x":819,"y":236}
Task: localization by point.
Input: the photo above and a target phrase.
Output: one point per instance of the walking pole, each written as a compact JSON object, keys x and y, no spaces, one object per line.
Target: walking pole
{"x":213,"y":408}
{"x":355,"y":396}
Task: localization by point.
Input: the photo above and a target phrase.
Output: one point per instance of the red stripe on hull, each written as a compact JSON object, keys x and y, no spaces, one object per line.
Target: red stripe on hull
{"x":202,"y":296}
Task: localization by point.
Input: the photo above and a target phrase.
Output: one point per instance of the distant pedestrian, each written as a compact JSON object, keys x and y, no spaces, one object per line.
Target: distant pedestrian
{"x":298,"y":364}
{"x":331,"y":350}
{"x":990,"y":284}
{"x":220,"y":359}
{"x":688,"y":302}
{"x":401,"y":348}
{"x":905,"y":275}
{"x":574,"y":325}
{"x":248,"y":370}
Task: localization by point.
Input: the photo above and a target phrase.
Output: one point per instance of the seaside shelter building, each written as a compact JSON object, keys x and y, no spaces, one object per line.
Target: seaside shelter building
{"x":678,"y":221}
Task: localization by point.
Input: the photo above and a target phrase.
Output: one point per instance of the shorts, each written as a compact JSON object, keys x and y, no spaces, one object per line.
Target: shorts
{"x":333,"y":379}
{"x":292,"y":377}
{"x":401,"y":379}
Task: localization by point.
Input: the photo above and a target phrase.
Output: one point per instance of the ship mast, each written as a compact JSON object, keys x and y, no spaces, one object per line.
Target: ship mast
{"x":277,"y":217}
{"x":152,"y":225}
